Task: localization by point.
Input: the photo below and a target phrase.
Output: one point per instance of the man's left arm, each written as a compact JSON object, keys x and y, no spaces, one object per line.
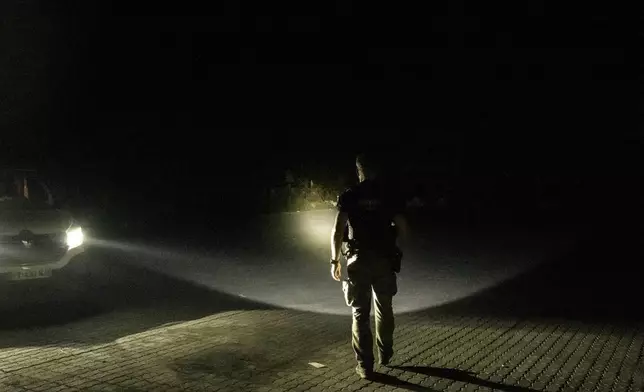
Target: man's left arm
{"x":337,"y":235}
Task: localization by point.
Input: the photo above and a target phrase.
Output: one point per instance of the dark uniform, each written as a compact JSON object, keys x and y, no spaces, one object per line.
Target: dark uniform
{"x":372,"y":265}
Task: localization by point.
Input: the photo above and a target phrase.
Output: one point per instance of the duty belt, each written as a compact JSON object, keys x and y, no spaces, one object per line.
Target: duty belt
{"x":391,"y":252}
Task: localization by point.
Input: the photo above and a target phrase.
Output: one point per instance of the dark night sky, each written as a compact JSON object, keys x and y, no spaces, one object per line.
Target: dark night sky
{"x":182,"y":90}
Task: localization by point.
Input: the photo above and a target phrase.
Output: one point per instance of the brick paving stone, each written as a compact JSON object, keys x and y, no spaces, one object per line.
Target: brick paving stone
{"x":630,"y":365}
{"x":269,"y":351}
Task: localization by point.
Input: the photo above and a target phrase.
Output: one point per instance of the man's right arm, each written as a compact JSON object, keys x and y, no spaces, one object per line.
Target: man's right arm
{"x":402,"y":230}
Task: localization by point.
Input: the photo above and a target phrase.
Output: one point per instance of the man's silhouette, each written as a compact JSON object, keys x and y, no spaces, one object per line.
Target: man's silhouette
{"x":372,"y":214}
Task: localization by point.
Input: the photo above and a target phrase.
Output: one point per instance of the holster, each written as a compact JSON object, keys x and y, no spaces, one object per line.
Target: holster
{"x":351,"y":248}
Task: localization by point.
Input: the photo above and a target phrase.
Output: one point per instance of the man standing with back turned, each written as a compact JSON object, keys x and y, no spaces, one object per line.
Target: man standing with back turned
{"x":372,"y":214}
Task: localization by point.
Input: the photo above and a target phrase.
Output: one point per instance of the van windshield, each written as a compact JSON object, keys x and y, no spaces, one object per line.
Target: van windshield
{"x":19,"y":192}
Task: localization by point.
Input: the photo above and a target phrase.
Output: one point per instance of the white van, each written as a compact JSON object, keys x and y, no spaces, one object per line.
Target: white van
{"x":36,"y":238}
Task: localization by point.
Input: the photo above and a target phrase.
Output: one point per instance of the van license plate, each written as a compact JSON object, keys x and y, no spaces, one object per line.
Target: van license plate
{"x":37,"y":273}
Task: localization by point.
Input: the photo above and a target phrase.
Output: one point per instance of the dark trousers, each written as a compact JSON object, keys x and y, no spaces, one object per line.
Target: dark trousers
{"x":371,"y":274}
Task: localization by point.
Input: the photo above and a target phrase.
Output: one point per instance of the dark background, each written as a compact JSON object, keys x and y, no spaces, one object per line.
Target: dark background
{"x":185,"y":112}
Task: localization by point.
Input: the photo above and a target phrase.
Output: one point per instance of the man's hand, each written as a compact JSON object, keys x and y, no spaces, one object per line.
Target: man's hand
{"x":336,"y":271}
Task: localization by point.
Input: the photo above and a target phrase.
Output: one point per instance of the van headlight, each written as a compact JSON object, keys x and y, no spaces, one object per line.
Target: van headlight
{"x":75,"y":237}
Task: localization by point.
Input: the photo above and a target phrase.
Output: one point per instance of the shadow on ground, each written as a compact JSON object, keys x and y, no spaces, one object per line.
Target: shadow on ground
{"x":450,"y":374}
{"x":599,"y":280}
{"x":386,"y":379}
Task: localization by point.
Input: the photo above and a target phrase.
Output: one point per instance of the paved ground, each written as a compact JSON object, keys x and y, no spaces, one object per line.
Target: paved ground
{"x":135,"y":329}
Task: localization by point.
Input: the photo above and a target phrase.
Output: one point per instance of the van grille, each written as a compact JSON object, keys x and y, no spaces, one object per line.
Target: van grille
{"x":42,"y":248}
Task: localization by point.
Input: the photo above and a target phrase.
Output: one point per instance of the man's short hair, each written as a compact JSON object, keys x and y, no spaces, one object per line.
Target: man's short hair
{"x":370,"y":162}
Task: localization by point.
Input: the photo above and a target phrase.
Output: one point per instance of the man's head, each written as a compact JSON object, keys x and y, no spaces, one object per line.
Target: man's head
{"x":369,"y":165}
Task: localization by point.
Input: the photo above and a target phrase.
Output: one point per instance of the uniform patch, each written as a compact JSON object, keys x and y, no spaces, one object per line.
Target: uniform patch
{"x":369,"y":204}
